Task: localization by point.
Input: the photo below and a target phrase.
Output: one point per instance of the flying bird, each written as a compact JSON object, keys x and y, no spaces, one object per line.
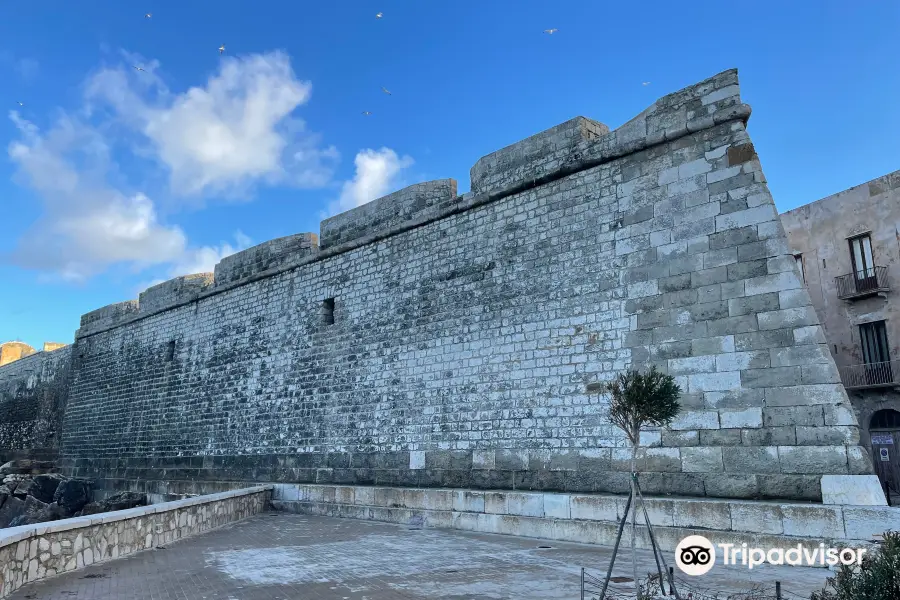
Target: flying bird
{"x":139,"y":68}
{"x":366,"y":113}
{"x":379,"y":15}
{"x":385,"y":91}
{"x":148,"y":15}
{"x":551,"y":31}
{"x":221,"y":48}
{"x":646,"y":83}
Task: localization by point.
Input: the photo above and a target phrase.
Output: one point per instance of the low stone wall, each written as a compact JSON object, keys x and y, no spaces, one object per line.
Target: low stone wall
{"x":33,"y":552}
{"x":593,"y":518}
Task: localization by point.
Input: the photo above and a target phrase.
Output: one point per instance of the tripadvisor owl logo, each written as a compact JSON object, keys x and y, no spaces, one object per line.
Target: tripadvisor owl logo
{"x":695,"y":555}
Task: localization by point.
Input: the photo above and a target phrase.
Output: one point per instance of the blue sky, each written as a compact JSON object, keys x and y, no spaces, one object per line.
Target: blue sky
{"x":113,"y":178}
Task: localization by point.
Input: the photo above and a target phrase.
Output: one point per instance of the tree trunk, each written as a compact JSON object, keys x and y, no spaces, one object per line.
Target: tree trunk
{"x":634,"y":499}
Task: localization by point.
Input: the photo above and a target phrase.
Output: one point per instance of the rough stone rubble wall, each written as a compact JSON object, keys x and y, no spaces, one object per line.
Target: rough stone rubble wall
{"x":34,"y":552}
{"x":469,"y":340}
{"x":32,"y":400}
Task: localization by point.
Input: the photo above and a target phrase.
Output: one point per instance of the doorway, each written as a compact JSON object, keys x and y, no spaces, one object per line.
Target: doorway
{"x":884,"y":429}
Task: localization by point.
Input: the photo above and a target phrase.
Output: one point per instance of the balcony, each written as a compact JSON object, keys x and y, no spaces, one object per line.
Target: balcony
{"x":862,"y":283}
{"x":873,"y":375}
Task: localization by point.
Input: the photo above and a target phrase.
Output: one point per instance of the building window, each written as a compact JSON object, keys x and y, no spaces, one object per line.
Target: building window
{"x":170,"y":351}
{"x":799,"y":259}
{"x":875,"y":353}
{"x":328,"y":311}
{"x":873,"y":339}
{"x":861,"y":258}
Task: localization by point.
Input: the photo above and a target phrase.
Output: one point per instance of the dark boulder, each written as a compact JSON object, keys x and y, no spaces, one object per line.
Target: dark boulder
{"x":12,"y":508}
{"x":120,"y":501}
{"x":73,"y":494}
{"x":33,"y":511}
{"x":44,"y":486}
{"x":26,"y":466}
{"x":23,"y":488}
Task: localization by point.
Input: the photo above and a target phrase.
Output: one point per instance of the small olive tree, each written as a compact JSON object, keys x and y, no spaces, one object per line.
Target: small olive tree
{"x":639,"y":400}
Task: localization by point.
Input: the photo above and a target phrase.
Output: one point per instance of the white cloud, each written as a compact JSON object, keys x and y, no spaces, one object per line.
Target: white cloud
{"x":378,"y":172}
{"x":222,"y":137}
{"x":87,"y":224}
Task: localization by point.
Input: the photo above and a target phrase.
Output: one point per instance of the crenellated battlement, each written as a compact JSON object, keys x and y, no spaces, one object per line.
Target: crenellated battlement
{"x":570,"y":147}
{"x":268,"y":255}
{"x":534,"y":157}
{"x":174,"y":291}
{"x":418,"y":201}
{"x":109,"y":314}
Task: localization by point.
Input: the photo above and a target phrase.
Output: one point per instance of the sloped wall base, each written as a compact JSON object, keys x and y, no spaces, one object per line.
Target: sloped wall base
{"x":593,"y":519}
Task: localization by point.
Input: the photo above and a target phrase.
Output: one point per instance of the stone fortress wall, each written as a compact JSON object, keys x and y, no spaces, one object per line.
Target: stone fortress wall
{"x":441,"y":340}
{"x":33,"y":393}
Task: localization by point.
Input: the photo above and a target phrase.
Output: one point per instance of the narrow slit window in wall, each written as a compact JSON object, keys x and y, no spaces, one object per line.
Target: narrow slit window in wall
{"x":799,"y":259}
{"x":170,"y":351}
{"x":328,"y":311}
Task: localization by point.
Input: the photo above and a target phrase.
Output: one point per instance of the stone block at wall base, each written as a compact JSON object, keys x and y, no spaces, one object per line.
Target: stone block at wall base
{"x":856,"y":490}
{"x":593,"y":518}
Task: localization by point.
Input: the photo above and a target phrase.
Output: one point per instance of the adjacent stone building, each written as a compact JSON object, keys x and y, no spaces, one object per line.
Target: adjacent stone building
{"x":430,"y":339}
{"x":848,"y":247}
{"x":12,"y":351}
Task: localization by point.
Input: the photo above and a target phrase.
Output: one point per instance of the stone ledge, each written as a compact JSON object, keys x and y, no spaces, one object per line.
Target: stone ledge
{"x":179,"y":289}
{"x":383,"y":214}
{"x":33,"y":552}
{"x":14,"y":534}
{"x":734,"y":519}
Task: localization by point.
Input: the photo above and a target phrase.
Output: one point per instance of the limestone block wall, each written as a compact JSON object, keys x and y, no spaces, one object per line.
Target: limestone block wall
{"x":466,"y":346}
{"x":33,"y":552}
{"x":594,"y":518}
{"x":33,"y":394}
{"x":13,"y":351}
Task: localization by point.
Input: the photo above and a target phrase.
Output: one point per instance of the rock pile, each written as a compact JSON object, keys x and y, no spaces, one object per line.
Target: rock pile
{"x":27,"y":498}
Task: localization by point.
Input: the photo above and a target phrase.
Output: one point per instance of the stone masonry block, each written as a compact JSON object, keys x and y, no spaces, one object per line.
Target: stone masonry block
{"x":525,"y":505}
{"x":702,"y":459}
{"x":813,"y":459}
{"x":740,"y":418}
{"x":720,"y":437}
{"x":495,"y":503}
{"x":697,"y":419}
{"x":799,"y":395}
{"x":756,"y":517}
{"x":769,"y":436}
{"x":813,"y":521}
{"x":714,"y":345}
{"x":703,"y":514}
{"x":800,"y":355}
{"x":597,"y":508}
{"x":742,"y":397}
{"x":758,"y":459}
{"x":557,"y":506}
{"x":714,"y":382}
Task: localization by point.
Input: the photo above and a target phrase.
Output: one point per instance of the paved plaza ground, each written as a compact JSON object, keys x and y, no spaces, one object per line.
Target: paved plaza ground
{"x":284,"y":556}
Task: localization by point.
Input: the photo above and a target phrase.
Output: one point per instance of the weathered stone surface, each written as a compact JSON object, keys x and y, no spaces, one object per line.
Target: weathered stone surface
{"x":438,"y":340}
{"x":856,"y":490}
{"x":73,"y":494}
{"x":44,"y":486}
{"x":120,"y":501}
{"x":11,"y":509}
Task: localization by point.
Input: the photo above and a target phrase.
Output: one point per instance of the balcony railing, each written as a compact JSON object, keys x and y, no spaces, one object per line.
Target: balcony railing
{"x":862,"y":283}
{"x":872,"y":375}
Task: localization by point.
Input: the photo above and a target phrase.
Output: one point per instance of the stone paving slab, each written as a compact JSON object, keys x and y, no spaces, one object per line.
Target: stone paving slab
{"x":277,"y":556}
